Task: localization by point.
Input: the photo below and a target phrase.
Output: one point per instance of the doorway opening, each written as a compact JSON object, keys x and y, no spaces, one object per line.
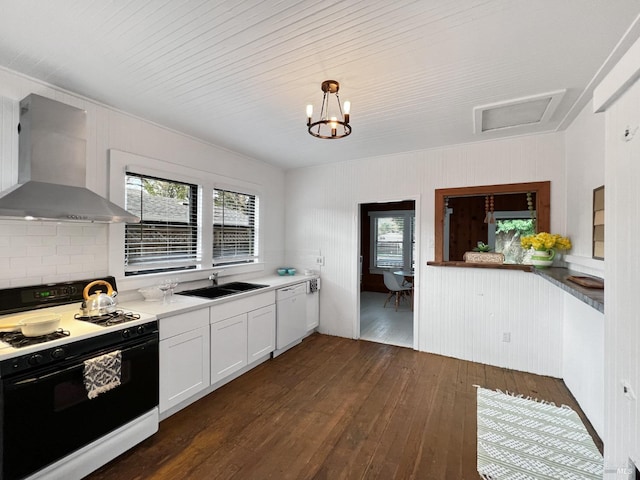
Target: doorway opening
{"x":387,"y":244}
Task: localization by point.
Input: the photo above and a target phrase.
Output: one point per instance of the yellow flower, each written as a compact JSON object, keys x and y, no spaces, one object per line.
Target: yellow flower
{"x":545,"y":241}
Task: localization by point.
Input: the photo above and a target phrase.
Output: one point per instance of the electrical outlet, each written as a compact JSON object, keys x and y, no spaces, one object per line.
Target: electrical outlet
{"x":319,"y":260}
{"x":506,"y":336}
{"x":627,"y":390}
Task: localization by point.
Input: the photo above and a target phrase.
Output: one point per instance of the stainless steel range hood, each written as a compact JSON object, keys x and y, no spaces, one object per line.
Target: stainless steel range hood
{"x":52,"y":168}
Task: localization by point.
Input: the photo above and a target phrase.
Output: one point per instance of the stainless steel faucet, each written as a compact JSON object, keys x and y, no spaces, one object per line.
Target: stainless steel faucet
{"x":214,"y":278}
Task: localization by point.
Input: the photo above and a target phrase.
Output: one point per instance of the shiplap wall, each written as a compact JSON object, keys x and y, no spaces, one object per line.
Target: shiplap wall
{"x":40,"y":252}
{"x":583,"y":333}
{"x":583,"y":358}
{"x":470,"y":309}
{"x":585,"y":151}
{"x":622,"y":230}
{"x":322,"y":216}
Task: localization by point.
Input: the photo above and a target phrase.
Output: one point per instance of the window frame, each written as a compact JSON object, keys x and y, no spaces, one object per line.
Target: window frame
{"x":408,"y":239}
{"x":120,"y":163}
{"x":542,"y":191}
{"x":254,"y":220}
{"x":172,"y":264}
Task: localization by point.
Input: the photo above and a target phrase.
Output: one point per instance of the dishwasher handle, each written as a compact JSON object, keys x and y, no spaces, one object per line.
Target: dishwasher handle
{"x":291,"y":290}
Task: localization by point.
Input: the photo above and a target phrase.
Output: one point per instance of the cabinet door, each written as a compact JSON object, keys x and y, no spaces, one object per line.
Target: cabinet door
{"x":261,"y":332}
{"x":184,"y":366}
{"x":228,"y":346}
{"x":313,"y":310}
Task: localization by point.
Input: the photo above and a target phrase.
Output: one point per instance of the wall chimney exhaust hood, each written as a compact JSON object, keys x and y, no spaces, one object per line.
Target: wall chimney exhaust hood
{"x":52,"y":168}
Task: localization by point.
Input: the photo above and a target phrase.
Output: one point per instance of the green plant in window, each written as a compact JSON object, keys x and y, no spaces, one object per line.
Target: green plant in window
{"x":522,"y":227}
{"x":482,"y":247}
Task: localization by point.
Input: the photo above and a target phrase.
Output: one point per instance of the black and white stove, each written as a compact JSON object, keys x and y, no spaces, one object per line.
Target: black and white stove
{"x":44,"y":384}
{"x":65,"y":300}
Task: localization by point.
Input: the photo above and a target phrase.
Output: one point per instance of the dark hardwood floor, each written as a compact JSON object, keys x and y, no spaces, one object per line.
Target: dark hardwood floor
{"x":333,"y":408}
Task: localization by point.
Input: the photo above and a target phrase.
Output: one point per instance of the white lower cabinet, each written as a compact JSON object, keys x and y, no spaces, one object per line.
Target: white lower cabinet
{"x":261,"y":332}
{"x":242,"y":332}
{"x":203,"y":347}
{"x":228,"y":346}
{"x":184,"y":357}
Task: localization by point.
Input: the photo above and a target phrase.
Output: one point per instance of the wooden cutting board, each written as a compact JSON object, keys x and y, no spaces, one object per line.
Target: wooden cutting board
{"x":588,"y":282}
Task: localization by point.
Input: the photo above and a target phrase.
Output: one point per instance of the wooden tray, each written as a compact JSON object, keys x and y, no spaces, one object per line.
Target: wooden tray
{"x":588,"y":282}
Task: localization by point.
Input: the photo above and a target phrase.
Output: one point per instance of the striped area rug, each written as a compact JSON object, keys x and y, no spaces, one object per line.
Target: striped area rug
{"x":522,"y":439}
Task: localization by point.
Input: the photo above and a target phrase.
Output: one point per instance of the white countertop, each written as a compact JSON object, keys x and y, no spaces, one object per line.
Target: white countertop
{"x":184,"y":303}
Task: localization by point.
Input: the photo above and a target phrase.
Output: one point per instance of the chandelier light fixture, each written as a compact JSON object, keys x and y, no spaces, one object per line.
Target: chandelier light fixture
{"x":334,"y":118}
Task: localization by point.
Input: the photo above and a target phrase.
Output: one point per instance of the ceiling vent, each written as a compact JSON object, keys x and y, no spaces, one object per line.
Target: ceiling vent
{"x":521,"y":112}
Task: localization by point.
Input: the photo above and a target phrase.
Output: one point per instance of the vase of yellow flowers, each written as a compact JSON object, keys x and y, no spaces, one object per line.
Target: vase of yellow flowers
{"x":544,"y":246}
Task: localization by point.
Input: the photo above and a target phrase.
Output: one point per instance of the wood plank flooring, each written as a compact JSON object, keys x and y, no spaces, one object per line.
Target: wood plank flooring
{"x":333,"y":408}
{"x":385,"y":325}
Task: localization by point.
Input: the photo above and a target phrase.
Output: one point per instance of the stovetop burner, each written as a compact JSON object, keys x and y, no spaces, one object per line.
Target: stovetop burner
{"x":108,"y":319}
{"x":18,"y":340}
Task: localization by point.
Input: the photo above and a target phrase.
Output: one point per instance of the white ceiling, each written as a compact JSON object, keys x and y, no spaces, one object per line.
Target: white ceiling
{"x":240,"y":73}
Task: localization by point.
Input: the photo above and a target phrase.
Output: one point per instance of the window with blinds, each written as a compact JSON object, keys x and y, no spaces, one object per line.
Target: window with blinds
{"x":167,"y":236}
{"x":392,"y":240}
{"x":235,"y":227}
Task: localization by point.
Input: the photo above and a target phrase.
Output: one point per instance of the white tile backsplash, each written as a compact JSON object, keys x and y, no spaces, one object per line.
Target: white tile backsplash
{"x":44,"y":252}
{"x":41,"y":251}
{"x":41,"y":270}
{"x":56,"y":260}
{"x":25,"y":240}
{"x":66,"y":249}
{"x":81,"y":259}
{"x":70,"y":230}
{"x":12,"y":251}
{"x":82,"y":241}
{"x":66,"y":269}
{"x":48,"y":230}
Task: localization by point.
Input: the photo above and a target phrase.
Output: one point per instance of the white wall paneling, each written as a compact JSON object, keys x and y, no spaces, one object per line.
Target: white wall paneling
{"x":480,"y":306}
{"x":583,"y":358}
{"x":622,"y":229}
{"x":585,"y":151}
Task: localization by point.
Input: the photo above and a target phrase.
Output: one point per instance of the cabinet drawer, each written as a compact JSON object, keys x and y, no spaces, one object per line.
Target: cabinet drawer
{"x":183,"y":322}
{"x":243,"y":305}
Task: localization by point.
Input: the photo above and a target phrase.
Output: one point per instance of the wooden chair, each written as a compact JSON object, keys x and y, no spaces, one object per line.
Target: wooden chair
{"x":394,"y":284}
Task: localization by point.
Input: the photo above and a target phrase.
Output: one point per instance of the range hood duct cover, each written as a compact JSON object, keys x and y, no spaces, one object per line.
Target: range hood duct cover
{"x":52,"y":168}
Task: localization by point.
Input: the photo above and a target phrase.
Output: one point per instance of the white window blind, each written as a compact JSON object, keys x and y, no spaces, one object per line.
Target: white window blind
{"x":167,"y":236}
{"x":392,"y":240}
{"x":235,"y":227}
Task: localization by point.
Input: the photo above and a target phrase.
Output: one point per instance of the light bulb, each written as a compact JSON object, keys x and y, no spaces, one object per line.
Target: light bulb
{"x":309,"y":111}
{"x":334,"y":126}
{"x":347,"y":107}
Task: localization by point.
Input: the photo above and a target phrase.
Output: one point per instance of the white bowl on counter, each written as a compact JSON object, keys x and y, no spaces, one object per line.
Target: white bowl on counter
{"x":151,"y":294}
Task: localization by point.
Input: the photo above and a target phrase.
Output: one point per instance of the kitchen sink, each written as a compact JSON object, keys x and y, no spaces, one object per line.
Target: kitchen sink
{"x":225,"y":290}
{"x":242,"y":286}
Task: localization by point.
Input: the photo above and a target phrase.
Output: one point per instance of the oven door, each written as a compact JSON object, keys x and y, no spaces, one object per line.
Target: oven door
{"x":47,"y":415}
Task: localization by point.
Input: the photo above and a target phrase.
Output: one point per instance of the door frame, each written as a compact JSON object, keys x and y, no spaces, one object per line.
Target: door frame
{"x":418,"y":268}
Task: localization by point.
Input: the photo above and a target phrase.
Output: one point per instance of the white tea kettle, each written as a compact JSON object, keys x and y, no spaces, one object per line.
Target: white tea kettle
{"x":99,"y":303}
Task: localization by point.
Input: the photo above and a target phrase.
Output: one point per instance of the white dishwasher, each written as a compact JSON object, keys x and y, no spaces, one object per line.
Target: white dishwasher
{"x":291,"y":316}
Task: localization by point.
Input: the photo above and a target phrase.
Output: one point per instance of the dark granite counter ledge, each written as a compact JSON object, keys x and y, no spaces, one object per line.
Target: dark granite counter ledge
{"x":593,"y":297}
